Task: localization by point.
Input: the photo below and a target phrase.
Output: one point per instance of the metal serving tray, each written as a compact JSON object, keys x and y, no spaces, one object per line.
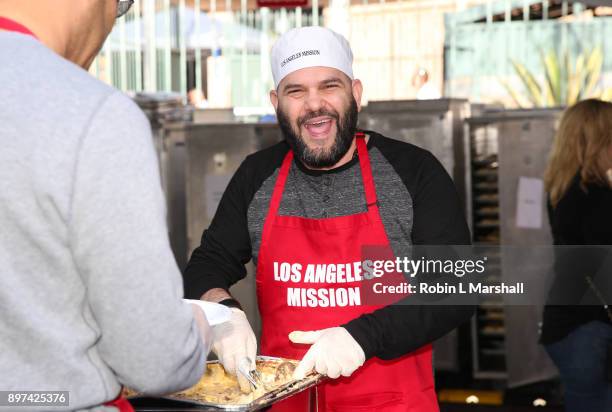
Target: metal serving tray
{"x":282,"y":392}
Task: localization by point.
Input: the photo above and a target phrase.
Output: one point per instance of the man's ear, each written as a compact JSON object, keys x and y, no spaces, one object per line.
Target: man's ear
{"x":274,"y":99}
{"x":357,"y":92}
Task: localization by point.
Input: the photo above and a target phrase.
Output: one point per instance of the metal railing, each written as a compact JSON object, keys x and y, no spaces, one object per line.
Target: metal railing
{"x":164,"y":46}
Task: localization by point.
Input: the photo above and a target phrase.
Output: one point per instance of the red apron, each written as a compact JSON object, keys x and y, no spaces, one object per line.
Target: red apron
{"x":120,"y":403}
{"x":404,"y":384}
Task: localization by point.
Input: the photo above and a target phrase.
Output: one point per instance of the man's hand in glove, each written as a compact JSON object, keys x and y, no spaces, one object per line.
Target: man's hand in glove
{"x":334,"y":352}
{"x":233,"y":341}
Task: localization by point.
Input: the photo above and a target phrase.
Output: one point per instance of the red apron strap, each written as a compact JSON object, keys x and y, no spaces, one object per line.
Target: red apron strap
{"x":279,"y":186}
{"x":277,"y":195}
{"x":12,"y":25}
{"x":366,"y":173}
{"x":366,"y":170}
{"x":121,"y":403}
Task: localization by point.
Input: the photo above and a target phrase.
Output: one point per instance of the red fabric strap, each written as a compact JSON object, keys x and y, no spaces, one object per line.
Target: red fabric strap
{"x":280,"y":184}
{"x":12,"y":25}
{"x":121,"y":403}
{"x":366,"y":170}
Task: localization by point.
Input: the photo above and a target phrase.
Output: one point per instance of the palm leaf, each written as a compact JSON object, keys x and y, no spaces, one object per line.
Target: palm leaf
{"x":534,"y":94}
{"x":593,"y":67}
{"x":516,"y":96}
{"x":552,"y":72}
{"x":577,"y":81}
{"x":566,"y":73}
{"x":565,"y":83}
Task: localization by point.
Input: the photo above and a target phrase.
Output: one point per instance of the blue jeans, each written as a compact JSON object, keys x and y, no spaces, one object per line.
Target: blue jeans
{"x":581,"y":359}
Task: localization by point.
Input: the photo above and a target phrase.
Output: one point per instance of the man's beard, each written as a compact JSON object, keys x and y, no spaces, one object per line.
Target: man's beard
{"x":317,"y":159}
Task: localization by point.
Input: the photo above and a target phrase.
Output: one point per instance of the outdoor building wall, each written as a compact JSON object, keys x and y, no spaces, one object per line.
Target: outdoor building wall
{"x":157,"y":44}
{"x":478,"y":55}
{"x":391,"y":40}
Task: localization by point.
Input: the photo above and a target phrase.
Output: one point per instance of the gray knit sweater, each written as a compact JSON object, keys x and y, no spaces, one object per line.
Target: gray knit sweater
{"x":90,"y":295}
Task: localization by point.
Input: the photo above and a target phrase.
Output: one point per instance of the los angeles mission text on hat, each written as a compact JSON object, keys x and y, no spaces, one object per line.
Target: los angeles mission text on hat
{"x":300,"y":54}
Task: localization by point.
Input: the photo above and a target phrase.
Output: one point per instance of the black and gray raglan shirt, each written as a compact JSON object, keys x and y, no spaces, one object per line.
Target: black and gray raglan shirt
{"x":418,"y":202}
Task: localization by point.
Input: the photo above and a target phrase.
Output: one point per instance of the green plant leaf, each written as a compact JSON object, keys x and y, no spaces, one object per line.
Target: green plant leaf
{"x":580,"y":76}
{"x":566,"y":82}
{"x":566,"y":73}
{"x":516,"y":96}
{"x":534,"y":93}
{"x":575,"y":80}
{"x":593,"y":67}
{"x":552,"y":72}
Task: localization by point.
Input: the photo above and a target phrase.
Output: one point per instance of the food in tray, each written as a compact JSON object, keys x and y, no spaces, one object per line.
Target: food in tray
{"x":218,"y":387}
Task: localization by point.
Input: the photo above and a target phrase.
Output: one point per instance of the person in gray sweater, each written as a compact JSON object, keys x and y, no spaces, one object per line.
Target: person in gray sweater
{"x":90,"y":294}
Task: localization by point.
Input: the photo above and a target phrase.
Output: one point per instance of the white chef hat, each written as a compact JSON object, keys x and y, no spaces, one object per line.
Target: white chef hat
{"x":308,"y":47}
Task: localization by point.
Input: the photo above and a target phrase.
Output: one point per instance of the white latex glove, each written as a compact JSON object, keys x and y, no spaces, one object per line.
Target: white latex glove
{"x":233,"y":341}
{"x":334,"y":352}
{"x":203,"y":327}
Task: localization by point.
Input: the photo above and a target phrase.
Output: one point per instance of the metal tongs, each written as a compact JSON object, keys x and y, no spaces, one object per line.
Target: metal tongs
{"x":252,"y":375}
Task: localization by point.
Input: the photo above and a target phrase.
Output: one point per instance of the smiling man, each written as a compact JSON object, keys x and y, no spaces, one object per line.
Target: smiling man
{"x":304,"y":210}
{"x":320,"y":138}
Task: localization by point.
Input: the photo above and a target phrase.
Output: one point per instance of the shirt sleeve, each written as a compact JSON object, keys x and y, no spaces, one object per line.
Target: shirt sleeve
{"x":220,"y":260}
{"x":575,"y":256}
{"x":396,"y":330}
{"x":120,"y":245}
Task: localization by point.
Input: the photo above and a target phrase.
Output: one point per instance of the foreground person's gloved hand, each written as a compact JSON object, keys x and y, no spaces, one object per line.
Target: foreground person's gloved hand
{"x":233,"y":341}
{"x":334,"y":352}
